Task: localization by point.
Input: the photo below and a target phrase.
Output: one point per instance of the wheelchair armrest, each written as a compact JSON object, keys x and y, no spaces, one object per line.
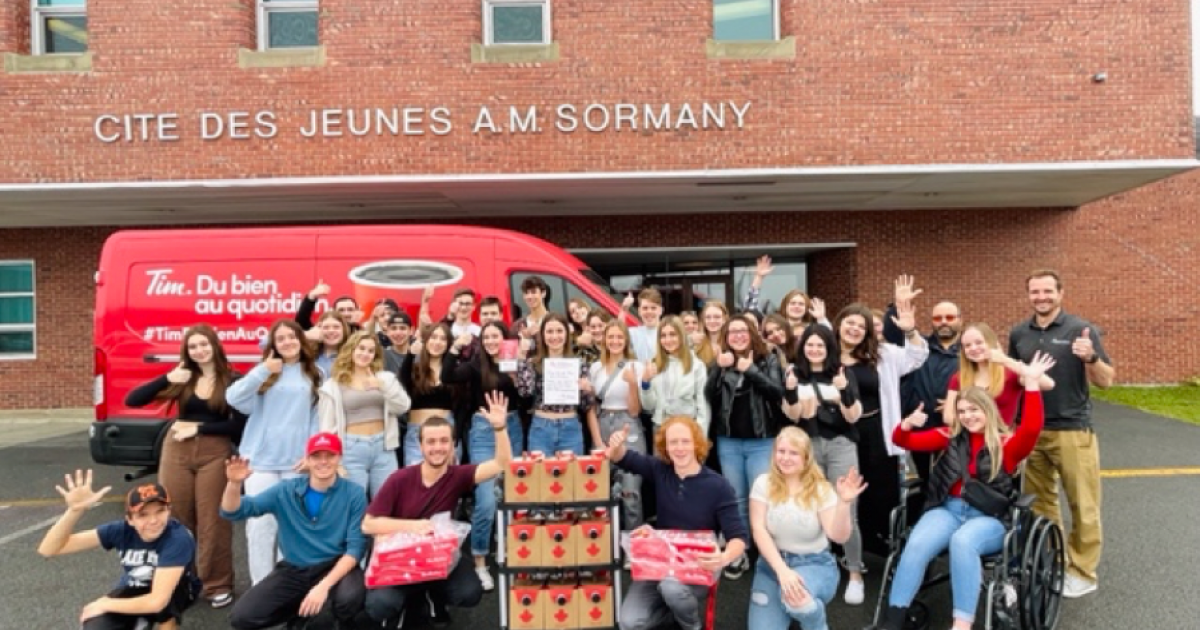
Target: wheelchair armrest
{"x":1025,"y":502}
{"x":910,"y":484}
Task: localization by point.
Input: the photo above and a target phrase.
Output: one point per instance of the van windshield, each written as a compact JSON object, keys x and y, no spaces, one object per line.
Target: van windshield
{"x":600,"y":282}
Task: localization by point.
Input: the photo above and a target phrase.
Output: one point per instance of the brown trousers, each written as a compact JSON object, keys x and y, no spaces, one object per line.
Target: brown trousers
{"x":193,"y":472}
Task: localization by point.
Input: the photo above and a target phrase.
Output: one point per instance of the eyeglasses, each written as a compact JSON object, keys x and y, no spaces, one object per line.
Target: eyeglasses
{"x":948,"y":319}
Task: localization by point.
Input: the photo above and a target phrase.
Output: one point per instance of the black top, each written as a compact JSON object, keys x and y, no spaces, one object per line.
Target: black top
{"x":194,"y":409}
{"x":741,"y":418}
{"x":439,"y":397}
{"x":456,"y":370}
{"x":830,"y":422}
{"x":1069,"y":405}
{"x":867,"y":378}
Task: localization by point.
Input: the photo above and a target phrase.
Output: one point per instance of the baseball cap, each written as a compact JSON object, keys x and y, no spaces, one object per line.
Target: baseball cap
{"x":324,"y":442}
{"x":400,"y":317}
{"x":144,"y":494}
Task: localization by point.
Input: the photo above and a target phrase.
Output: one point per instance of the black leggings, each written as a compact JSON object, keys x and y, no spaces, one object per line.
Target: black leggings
{"x":182,"y":599}
{"x":276,"y":600}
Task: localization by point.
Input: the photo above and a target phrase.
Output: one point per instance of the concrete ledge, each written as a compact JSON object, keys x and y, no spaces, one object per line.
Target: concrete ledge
{"x":73,"y":415}
{"x":782,"y":49}
{"x":281,"y":58}
{"x":514,"y":53}
{"x":73,"y":62}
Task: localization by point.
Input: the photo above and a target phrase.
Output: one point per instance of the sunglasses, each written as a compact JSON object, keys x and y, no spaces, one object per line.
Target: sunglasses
{"x":948,"y":319}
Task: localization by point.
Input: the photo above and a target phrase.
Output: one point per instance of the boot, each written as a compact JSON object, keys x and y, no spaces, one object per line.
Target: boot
{"x":893,"y":619}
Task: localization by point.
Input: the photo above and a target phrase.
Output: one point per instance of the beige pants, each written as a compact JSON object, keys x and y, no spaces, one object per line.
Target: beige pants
{"x":1073,"y":457}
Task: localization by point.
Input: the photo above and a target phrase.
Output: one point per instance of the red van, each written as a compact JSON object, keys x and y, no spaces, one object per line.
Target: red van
{"x":153,"y":284}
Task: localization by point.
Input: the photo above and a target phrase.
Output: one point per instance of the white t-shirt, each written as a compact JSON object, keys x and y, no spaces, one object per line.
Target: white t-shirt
{"x":617,"y":396}
{"x":795,"y":529}
{"x":457,"y":330}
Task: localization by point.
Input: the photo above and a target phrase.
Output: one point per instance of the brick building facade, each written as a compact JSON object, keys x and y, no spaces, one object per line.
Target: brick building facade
{"x":1040,"y":162}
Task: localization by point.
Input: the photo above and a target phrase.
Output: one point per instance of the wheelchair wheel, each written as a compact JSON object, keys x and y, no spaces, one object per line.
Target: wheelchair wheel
{"x":917,"y":617}
{"x":1043,"y":568}
{"x":1002,"y":608}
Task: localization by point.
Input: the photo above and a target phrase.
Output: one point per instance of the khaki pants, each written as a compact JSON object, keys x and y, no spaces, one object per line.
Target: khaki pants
{"x":193,"y":472}
{"x":1073,"y":457}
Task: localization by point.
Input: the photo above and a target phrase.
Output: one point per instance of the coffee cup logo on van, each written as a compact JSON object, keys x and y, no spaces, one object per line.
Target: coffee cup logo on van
{"x":401,"y":280}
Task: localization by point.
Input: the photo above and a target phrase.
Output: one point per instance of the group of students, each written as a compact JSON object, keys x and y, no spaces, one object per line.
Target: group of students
{"x":806,"y":417}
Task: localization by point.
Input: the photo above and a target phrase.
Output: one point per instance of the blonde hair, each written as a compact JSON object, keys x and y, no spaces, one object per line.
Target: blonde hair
{"x":813,"y":484}
{"x":604,"y":354}
{"x":661,"y":358}
{"x":968,"y":370}
{"x":343,"y":365}
{"x":995,"y":431}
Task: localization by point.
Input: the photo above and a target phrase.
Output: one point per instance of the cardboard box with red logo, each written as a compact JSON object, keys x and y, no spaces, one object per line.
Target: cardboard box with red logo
{"x":595,"y":595}
{"x":592,"y":482}
{"x":558,"y":480}
{"x":523,"y":481}
{"x":526,"y":543}
{"x":562,"y":605}
{"x":593,"y":540}
{"x":558,"y":550}
{"x":527,"y":605}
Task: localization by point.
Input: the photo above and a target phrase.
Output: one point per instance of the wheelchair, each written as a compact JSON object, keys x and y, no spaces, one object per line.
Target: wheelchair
{"x":1022,"y":584}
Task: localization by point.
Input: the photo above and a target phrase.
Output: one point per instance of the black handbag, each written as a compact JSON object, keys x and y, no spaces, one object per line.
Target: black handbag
{"x":983,"y":497}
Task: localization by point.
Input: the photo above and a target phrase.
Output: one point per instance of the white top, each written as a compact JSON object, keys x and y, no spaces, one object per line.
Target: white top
{"x":894,"y":362}
{"x":795,"y":529}
{"x":617,"y":396}
{"x":673,"y":393}
{"x":458,"y":329}
{"x":644,"y":342}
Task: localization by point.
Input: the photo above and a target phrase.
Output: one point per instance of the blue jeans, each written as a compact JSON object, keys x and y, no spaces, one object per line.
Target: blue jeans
{"x":367,"y":461}
{"x":482,"y":442}
{"x":742,"y":461}
{"x":412,"y":444}
{"x":968,"y":533}
{"x":551,"y":435}
{"x":768,"y":611}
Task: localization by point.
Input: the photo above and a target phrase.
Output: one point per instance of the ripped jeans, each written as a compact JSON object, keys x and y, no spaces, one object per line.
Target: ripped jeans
{"x":818,"y":571}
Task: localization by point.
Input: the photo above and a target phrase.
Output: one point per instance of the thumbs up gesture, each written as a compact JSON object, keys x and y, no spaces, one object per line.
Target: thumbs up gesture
{"x":725,"y":359}
{"x":179,"y":375}
{"x":840,"y":381}
{"x":1083,"y":347}
{"x":274,"y":363}
{"x":791,"y":382}
{"x":916,"y":419}
{"x":650,"y":371}
{"x":319,"y":291}
{"x":616,"y":444}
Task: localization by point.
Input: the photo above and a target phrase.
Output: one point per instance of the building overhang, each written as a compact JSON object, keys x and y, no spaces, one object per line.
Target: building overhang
{"x":391,"y":197}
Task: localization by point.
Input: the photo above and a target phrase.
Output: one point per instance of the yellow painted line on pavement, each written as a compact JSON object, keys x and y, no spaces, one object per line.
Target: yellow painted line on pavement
{"x":1122,"y":473}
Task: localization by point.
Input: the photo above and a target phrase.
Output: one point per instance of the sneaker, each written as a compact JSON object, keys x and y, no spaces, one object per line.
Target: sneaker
{"x":737,"y":568}
{"x":221,"y":600}
{"x":1074,"y":586}
{"x":439,"y":617}
{"x":854,"y":592}
{"x":485,"y":579}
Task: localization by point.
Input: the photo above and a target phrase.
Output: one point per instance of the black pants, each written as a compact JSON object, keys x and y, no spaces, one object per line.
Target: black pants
{"x":182,"y":599}
{"x":882,"y":474}
{"x":460,"y":590}
{"x":276,"y":600}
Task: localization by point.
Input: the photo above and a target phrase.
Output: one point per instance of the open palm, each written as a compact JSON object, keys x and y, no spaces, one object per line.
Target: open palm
{"x":79,"y":494}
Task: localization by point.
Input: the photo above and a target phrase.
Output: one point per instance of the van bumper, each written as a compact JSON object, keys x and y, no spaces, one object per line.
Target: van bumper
{"x":126,"y":441}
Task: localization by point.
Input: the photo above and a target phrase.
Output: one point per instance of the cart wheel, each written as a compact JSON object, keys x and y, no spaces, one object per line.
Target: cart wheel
{"x":1043,"y":569}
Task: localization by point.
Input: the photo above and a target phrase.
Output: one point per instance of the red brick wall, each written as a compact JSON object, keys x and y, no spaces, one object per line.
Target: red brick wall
{"x":1129,"y":265}
{"x":914,"y":82}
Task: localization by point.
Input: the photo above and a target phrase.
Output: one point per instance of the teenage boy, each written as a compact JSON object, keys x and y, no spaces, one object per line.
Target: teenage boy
{"x":490,"y":311}
{"x":318,"y":583}
{"x":644,"y":338}
{"x":399,"y":332}
{"x":413,"y":494}
{"x":536,"y":292}
{"x":463,"y":307}
{"x":345,"y":306}
{"x":158,"y":578}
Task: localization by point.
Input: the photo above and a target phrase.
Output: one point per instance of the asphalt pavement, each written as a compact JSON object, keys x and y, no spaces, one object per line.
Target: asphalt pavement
{"x":1151,"y":507}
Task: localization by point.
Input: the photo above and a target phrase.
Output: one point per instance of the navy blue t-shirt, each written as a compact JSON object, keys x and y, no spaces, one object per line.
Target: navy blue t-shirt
{"x":139,"y":559}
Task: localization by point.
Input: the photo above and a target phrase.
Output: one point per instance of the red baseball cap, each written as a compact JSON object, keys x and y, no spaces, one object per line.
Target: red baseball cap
{"x":324,"y":442}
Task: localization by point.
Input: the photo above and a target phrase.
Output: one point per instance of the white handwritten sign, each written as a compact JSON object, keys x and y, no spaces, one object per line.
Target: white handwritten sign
{"x":560,"y":382}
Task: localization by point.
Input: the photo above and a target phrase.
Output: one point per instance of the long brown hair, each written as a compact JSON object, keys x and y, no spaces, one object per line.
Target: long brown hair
{"x":968,"y":369}
{"x":307,"y":359}
{"x":424,"y":379}
{"x":705,"y":351}
{"x":866,"y":352}
{"x":343,"y":365}
{"x":320,"y":343}
{"x":178,"y":393}
{"x":604,"y":354}
{"x":489,"y":370}
{"x":807,"y":317}
{"x":758,"y":347}
{"x":542,"y":349}
{"x":661,"y":358}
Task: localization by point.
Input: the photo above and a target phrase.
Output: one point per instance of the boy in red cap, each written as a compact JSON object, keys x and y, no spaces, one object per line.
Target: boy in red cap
{"x":158,"y":578}
{"x":318,"y":584}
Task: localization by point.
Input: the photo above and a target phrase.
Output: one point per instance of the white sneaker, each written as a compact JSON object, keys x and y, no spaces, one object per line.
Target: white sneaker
{"x":854,"y":592}
{"x":485,"y":579}
{"x":1074,"y":586}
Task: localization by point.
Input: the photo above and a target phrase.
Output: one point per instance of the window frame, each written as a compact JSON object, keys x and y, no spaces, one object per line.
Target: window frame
{"x":776,"y":27}
{"x":264,"y":8}
{"x":489,"y":27}
{"x":31,"y":327}
{"x":38,"y":15}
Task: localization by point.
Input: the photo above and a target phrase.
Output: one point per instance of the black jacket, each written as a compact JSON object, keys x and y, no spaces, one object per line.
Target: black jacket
{"x":928,"y":384}
{"x":765,"y":382}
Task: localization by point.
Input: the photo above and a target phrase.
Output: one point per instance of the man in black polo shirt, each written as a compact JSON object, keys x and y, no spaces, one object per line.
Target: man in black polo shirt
{"x":1068,"y":448}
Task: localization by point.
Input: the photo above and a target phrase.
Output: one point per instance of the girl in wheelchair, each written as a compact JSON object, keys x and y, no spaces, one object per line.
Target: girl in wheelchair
{"x":969,"y":491}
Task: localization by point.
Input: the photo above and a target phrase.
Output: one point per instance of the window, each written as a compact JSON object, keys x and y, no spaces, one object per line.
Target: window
{"x":287,"y":24}
{"x":59,"y":26}
{"x":745,"y":20}
{"x":516,"y":22}
{"x":16,"y":309}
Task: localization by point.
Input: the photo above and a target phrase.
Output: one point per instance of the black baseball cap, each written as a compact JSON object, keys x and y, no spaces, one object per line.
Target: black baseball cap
{"x":400,"y":317}
{"x":145,"y":494}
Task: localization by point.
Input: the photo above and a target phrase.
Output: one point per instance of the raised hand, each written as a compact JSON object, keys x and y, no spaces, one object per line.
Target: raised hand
{"x":415,"y":346}
{"x":584,"y":339}
{"x":763,"y":267}
{"x":916,"y":419}
{"x":180,"y":374}
{"x":697,"y":338}
{"x":650,"y":371}
{"x":427,"y":295}
{"x":463,"y":340}
{"x":321,"y":290}
{"x":790,"y":381}
{"x":850,"y":485}
{"x":744,"y":363}
{"x":996,"y":355}
{"x":1040,"y":364}
{"x":1083,"y":346}
{"x":904,"y":289}
{"x":273,"y":363}
{"x":816,"y":308}
{"x":497,"y":409}
{"x":78,"y":494}
{"x":840,"y":381}
{"x":616,"y":444}
{"x":237,"y":469}
{"x":906,"y":316}
{"x":627,"y":303}
{"x":630,"y":374}
{"x":725,"y":359}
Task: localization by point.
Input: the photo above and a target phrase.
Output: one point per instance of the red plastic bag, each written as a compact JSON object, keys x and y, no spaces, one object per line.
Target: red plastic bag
{"x":656,"y":555}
